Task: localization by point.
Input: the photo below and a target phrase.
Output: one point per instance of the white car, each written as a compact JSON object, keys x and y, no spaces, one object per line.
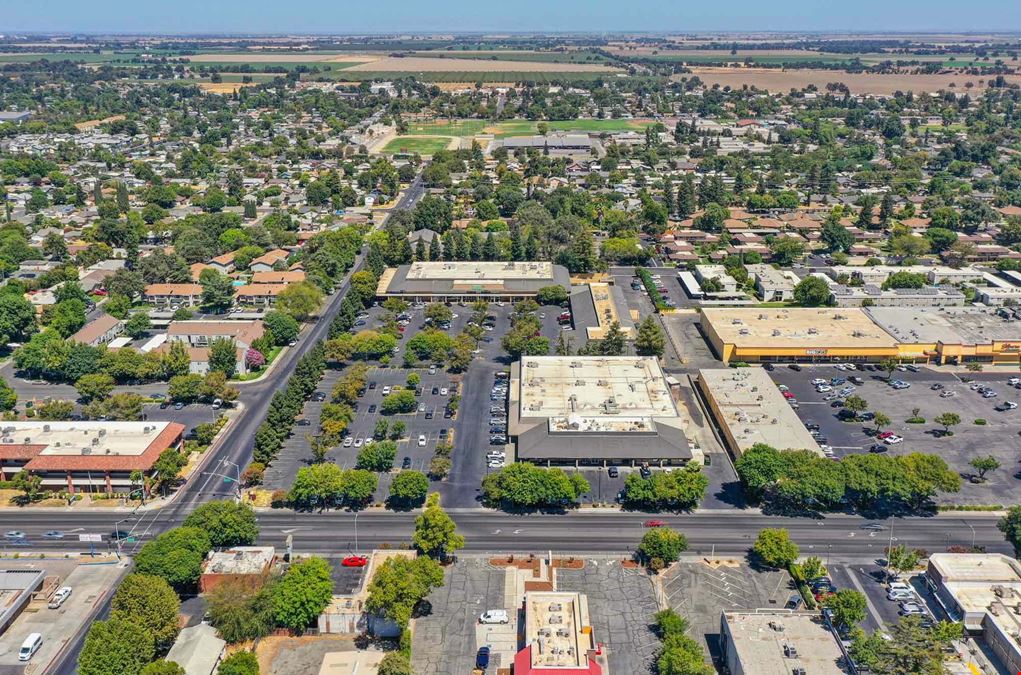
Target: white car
{"x":911,"y":609}
{"x":386,"y":390}
{"x":817,"y":381}
{"x":421,"y":440}
{"x":494,"y":616}
{"x":947,"y":393}
{"x":893,"y":440}
{"x":358,"y":442}
{"x":443,"y":391}
{"x":59,"y":597}
{"x":348,"y":441}
{"x":900,"y":596}
{"x":823,"y":388}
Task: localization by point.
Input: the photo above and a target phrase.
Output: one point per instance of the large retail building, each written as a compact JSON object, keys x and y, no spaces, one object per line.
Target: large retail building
{"x":470,"y":281}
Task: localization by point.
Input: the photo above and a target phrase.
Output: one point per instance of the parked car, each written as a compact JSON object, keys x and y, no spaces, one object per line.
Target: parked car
{"x":645,"y":472}
{"x":354,"y":561}
{"x":911,"y":609}
{"x":878,"y":448}
{"x":795,"y":367}
{"x":406,"y":463}
{"x":893,"y":439}
{"x":900,"y":596}
{"x":386,"y":390}
{"x":613,"y":472}
{"x":421,"y":440}
{"x":494,"y":616}
{"x":60,"y":597}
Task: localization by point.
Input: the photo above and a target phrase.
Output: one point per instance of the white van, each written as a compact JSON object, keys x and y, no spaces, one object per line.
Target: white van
{"x":31,"y":645}
{"x":494,"y":616}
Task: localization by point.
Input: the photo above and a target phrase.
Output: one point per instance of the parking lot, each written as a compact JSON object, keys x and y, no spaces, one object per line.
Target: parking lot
{"x":926,"y":394}
{"x":90,"y":583}
{"x":700,"y":593}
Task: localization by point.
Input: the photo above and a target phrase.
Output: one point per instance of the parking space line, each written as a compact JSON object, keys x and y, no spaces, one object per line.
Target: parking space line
{"x":868,"y":601}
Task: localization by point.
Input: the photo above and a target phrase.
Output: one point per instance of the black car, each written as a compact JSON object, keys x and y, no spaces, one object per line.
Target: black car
{"x":304,"y":422}
{"x":878,"y":448}
{"x":406,"y":464}
{"x":645,"y":472}
{"x":372,"y":408}
{"x":447,"y":414}
{"x":768,"y":366}
{"x":164,"y":405}
{"x":497,"y":440}
{"x":443,"y":432}
{"x":793,"y":602}
{"x":419,"y":391}
{"x":372,"y":385}
{"x":812,"y":426}
{"x":846,"y":415}
{"x":436,"y":390}
{"x":428,"y":414}
{"x":795,"y":367}
{"x":319,"y":396}
{"x":613,"y":472}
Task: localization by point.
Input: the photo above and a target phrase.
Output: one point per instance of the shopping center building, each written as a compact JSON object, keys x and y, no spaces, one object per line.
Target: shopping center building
{"x":469,"y":281}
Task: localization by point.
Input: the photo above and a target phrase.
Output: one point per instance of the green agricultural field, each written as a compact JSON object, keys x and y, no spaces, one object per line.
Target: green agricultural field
{"x":287,"y":65}
{"x":411,"y":144}
{"x":78,"y":57}
{"x":512,"y":55}
{"x":469,"y":76}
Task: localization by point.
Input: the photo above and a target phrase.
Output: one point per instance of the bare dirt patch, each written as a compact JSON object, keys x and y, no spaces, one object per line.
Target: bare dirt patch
{"x":92,"y":124}
{"x":224,"y":87}
{"x":426,"y":64}
{"x":278,"y":58}
{"x":775,"y":79}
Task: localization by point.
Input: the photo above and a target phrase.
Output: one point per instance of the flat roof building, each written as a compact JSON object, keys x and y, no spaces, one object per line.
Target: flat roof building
{"x":558,"y":636}
{"x":16,"y":589}
{"x":469,"y":281}
{"x":773,"y":285}
{"x":749,"y":409}
{"x":952,"y":335}
{"x":754,"y":334}
{"x":249,"y":565}
{"x":779,"y":642}
{"x":89,"y":456}
{"x":595,"y":410}
{"x":983,"y":590}
{"x":871,"y":295}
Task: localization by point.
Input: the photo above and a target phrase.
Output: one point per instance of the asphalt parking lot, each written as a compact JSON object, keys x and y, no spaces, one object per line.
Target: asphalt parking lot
{"x":969,"y":440}
{"x":89,"y":582}
{"x":441,"y":641}
{"x":700,"y":593}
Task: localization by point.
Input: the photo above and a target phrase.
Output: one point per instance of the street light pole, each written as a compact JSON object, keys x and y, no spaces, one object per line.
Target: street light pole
{"x":356,"y":532}
{"x":972,"y":534}
{"x":237,"y":473}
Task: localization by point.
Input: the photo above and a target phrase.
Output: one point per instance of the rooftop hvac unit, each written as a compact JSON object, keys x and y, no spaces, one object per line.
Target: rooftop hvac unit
{"x":86,"y":451}
{"x":776,"y":626}
{"x":790,"y":651}
{"x":46,"y":427}
{"x":102,"y":432}
{"x":95,"y":441}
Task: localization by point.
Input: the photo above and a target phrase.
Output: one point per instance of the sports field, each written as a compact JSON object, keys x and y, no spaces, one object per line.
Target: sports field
{"x":420,"y":145}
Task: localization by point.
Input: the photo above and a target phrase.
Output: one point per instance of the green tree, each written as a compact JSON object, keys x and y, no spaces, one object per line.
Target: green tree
{"x":408,"y":488}
{"x":151,"y":603}
{"x":162,"y":667}
{"x":116,"y":647}
{"x":948,"y":420}
{"x":217,"y":290}
{"x":318,"y":485}
{"x":786,"y":249}
{"x":984,"y":465}
{"x":94,"y":387}
{"x":17,"y":318}
{"x":137,"y":325}
{"x":435,"y":532}
{"x":239,"y":612}
{"x":661,"y":546}
{"x":185,"y":388}
{"x":8,"y":397}
{"x":223,"y":356}
{"x":399,"y":584}
{"x":301,"y":595}
{"x":377,"y":456}
{"x":284,"y":327}
{"x":299,"y":301}
{"x":900,"y":558}
{"x":175,"y":556}
{"x":889,"y":365}
{"x":437,"y":313}
{"x":881,"y":421}
{"x":811,"y":568}
{"x":395,"y":663}
{"x":650,"y":340}
{"x":227,"y":522}
{"x":400,"y":401}
{"x":67,"y":317}
{"x":837,"y":237}
{"x":774,"y":548}
{"x":1010,"y":526}
{"x":812,"y":292}
{"x":848,"y":607}
{"x":239,"y":663}
{"x":855,"y":404}
{"x":552,"y":295}
{"x":30,"y":486}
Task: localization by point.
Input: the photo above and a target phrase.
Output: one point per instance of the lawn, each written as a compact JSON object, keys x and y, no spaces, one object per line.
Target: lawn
{"x":595,"y":126}
{"x":451,"y":128}
{"x":411,"y":144}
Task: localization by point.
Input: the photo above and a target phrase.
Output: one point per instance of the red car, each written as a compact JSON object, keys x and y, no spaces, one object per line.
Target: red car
{"x":354,"y":561}
{"x":788,"y":395}
{"x":654,"y":523}
{"x":884,"y":434}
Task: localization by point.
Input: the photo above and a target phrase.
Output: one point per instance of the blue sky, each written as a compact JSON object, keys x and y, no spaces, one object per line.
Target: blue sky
{"x":380,"y":16}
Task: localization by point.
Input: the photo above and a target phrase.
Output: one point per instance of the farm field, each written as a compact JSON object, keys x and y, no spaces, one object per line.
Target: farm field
{"x":773,"y":79}
{"x":577,"y":56}
{"x":416,"y":64}
{"x":280,"y":57}
{"x":469,"y":78}
{"x":413,"y":144}
{"x":79,"y":57}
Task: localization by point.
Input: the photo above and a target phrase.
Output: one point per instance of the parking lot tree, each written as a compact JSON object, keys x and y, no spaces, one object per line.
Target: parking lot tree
{"x":523,"y":485}
{"x":215,"y":386}
{"x":551,"y":295}
{"x":774,"y":548}
{"x":650,"y":340}
{"x":223,"y":356}
{"x":889,"y":366}
{"x":227,"y":522}
{"x":984,"y":465}
{"x":760,"y":467}
{"x":408,"y":489}
{"x":395,"y":305}
{"x":856,"y":404}
{"x":283,"y":326}
{"x":900,"y":558}
{"x":382,"y":426}
{"x":162,"y":667}
{"x":462,"y":353}
{"x":302,"y":593}
{"x":397,"y":430}
{"x":679,"y":489}
{"x":1010,"y":526}
{"x":8,"y":397}
{"x":399,"y":584}
{"x":812,"y":292}
{"x":906,"y":647}
{"x":848,"y":607}
{"x":319,"y":485}
{"x":431,"y":345}
{"x":150,"y":602}
{"x":881,"y":421}
{"x":363,"y":286}
{"x":350,"y":385}
{"x":948,"y":420}
{"x":522,"y":340}
{"x":378,"y":457}
{"x":359,"y":486}
{"x":661,"y":546}
{"x":395,"y":663}
{"x":185,"y":388}
{"x":175,"y":556}
{"x":414,"y":379}
{"x":401,"y":401}
{"x":369,"y":344}
{"x":125,"y":406}
{"x":435,"y":532}
{"x":437,"y":313}
{"x":30,"y":486}
{"x":217,"y":290}
{"x":239,"y":663}
{"x":116,"y":647}
{"x":94,"y":386}
{"x":810,"y":568}
{"x":439,"y":467}
{"x":54,"y":411}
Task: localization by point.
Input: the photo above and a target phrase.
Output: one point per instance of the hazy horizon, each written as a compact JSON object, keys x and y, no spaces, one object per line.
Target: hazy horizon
{"x":323,"y":17}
